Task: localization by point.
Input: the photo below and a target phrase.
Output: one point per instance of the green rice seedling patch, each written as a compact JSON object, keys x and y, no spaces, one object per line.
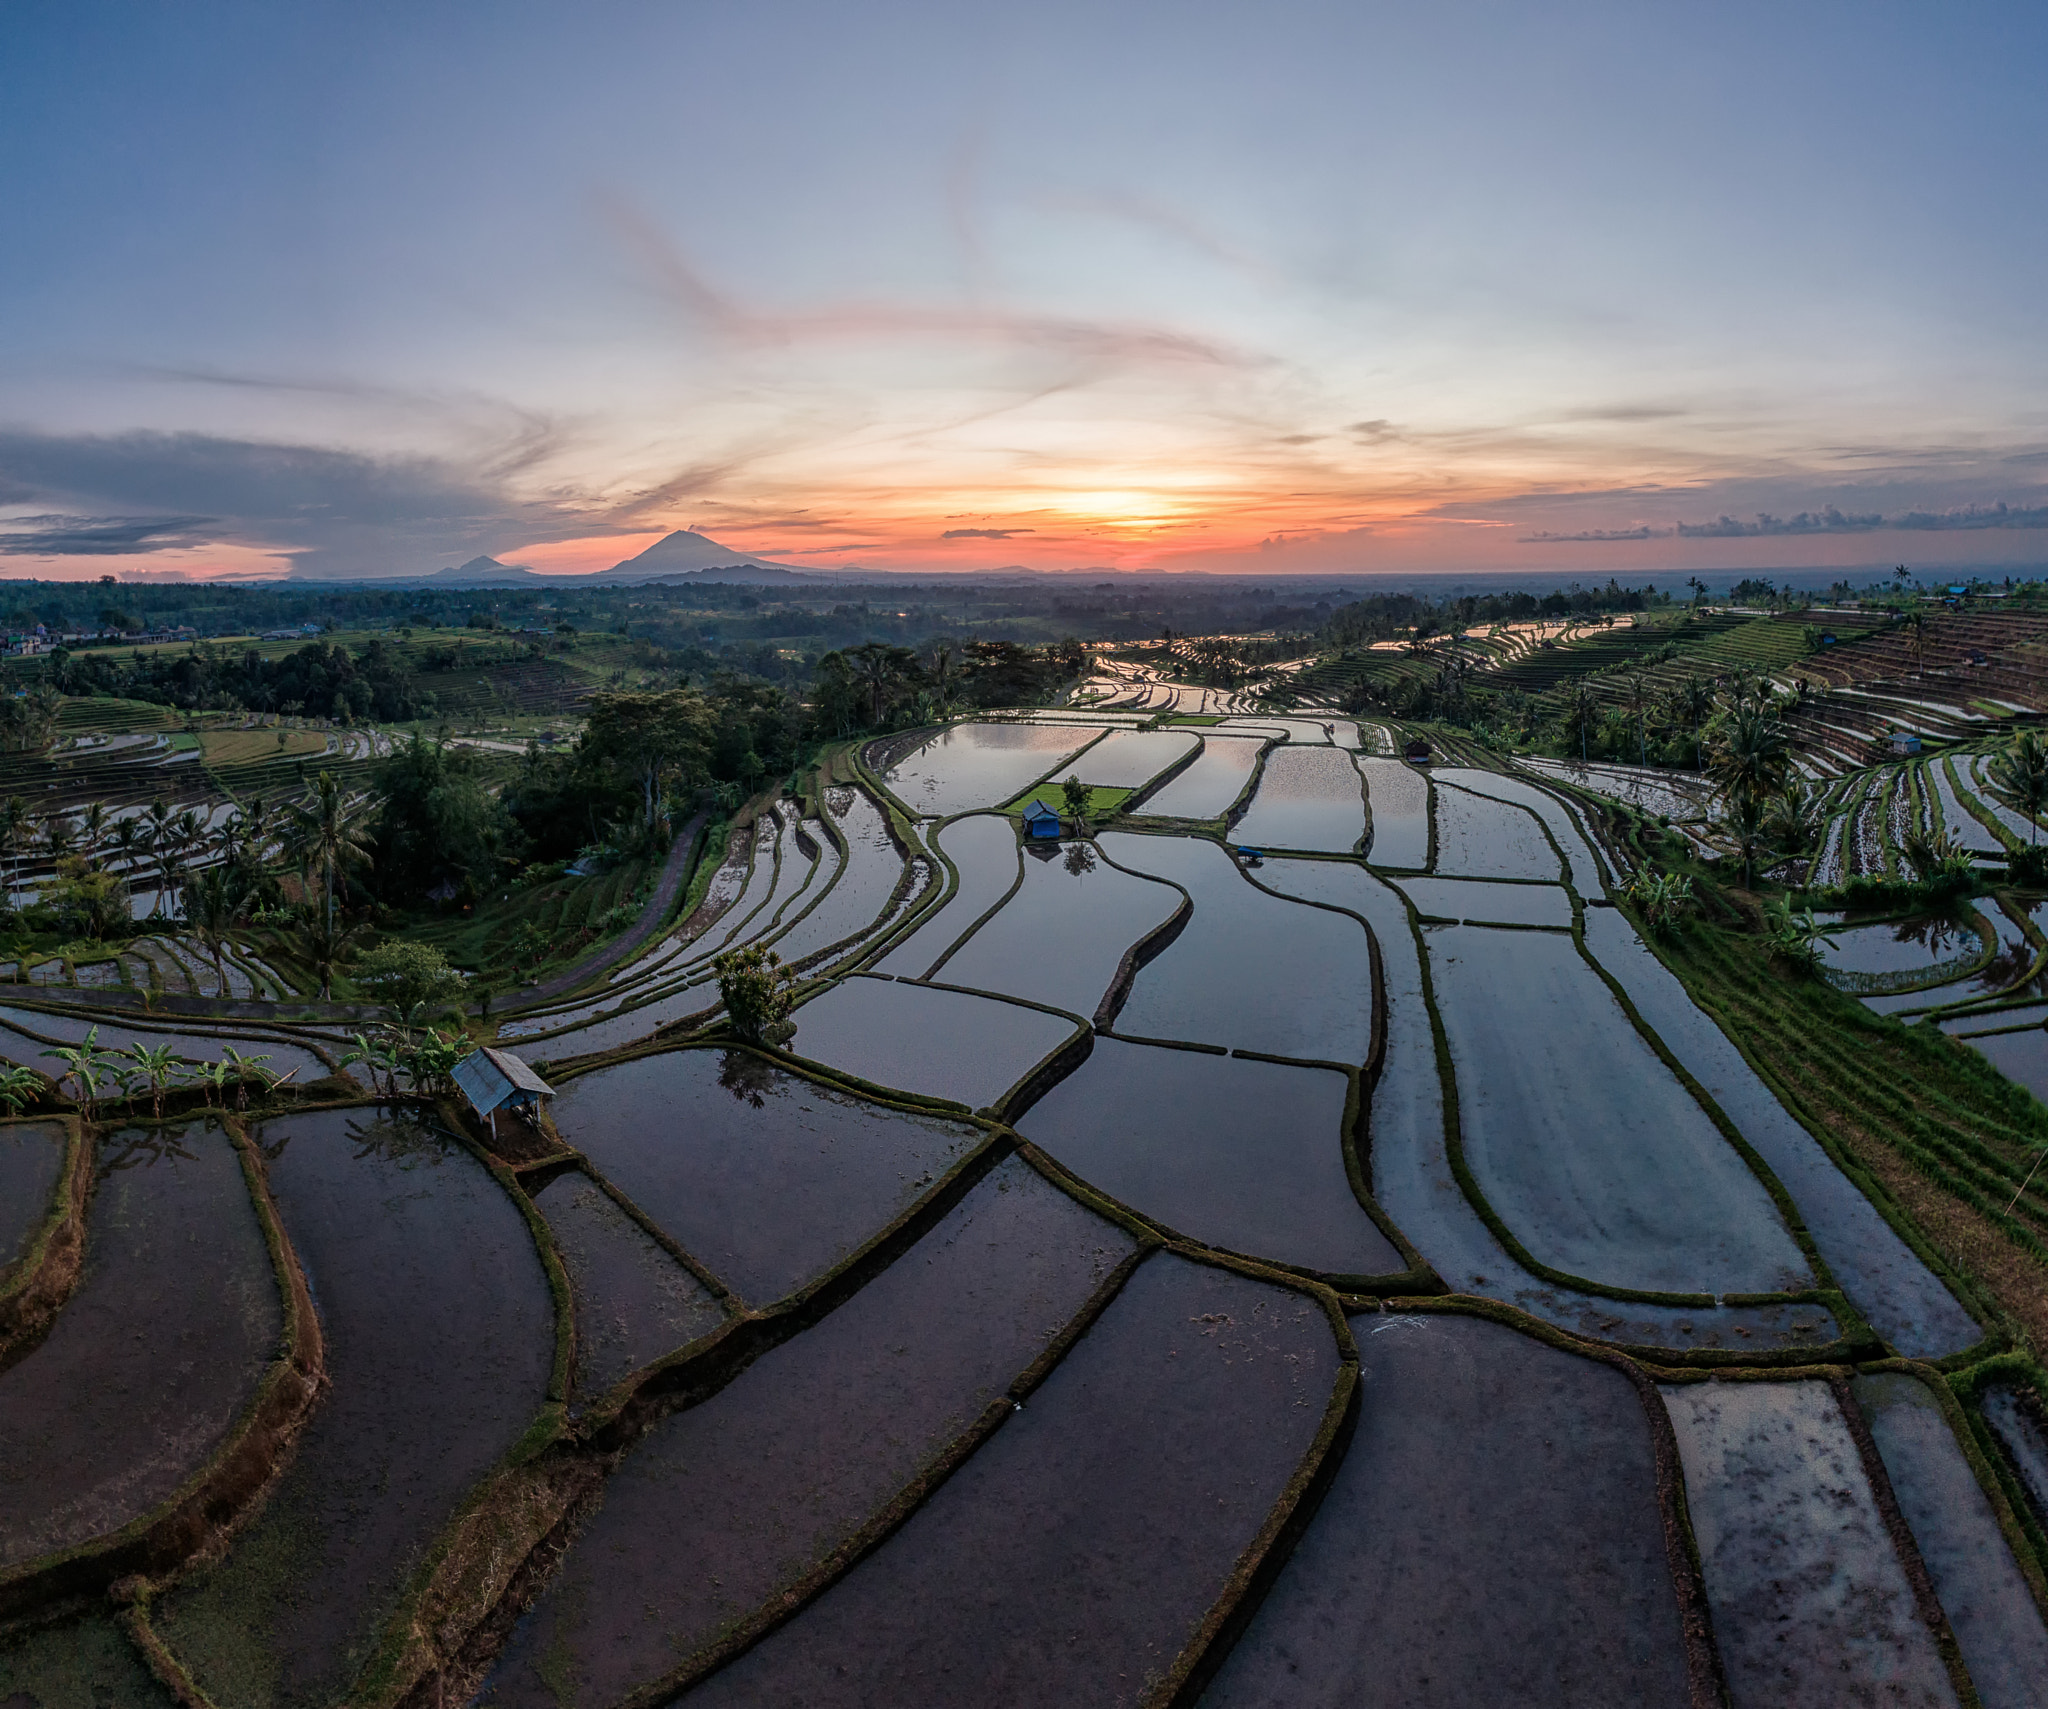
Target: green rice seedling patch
{"x":766,"y":1178}
{"x":81,"y":1663}
{"x":1238,"y":1154}
{"x":1982,"y":1589}
{"x":1248,"y":970}
{"x":634,"y":1301}
{"x":1496,"y":1534}
{"x":31,"y":1165}
{"x":1587,"y":1147}
{"x":155,"y":1354}
{"x":925,"y":1040}
{"x":440,"y":1338}
{"x":1077,"y":1557}
{"x":1308,"y":798}
{"x":1062,"y":938}
{"x":983,"y":849}
{"x":1890,"y":1283}
{"x":724,"y":1508}
{"x":1811,"y":1602}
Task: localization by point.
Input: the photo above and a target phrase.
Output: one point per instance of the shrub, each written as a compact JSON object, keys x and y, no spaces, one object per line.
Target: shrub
{"x":756,"y":988}
{"x":407,"y":975}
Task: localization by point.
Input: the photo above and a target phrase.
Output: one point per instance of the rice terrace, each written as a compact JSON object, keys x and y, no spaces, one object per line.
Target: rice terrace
{"x":1474,"y":1162}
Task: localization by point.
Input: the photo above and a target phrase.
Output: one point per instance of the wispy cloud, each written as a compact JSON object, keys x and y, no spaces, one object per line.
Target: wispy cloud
{"x":56,"y":536}
{"x":984,"y":533}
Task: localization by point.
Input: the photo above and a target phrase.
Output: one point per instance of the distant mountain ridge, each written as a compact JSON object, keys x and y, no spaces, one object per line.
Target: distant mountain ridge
{"x":681,"y":556}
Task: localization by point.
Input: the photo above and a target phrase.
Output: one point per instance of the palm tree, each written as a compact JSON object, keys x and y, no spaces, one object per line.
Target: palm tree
{"x":323,"y":835}
{"x":1691,"y":703}
{"x":14,"y":831}
{"x":57,"y":835}
{"x":1752,"y":755}
{"x":1636,"y":697}
{"x":159,"y":842}
{"x":880,"y":666}
{"x":325,"y":944}
{"x":92,"y":827}
{"x":2020,"y":775}
{"x":213,"y":906}
{"x":1791,"y":825}
{"x":1745,"y":826}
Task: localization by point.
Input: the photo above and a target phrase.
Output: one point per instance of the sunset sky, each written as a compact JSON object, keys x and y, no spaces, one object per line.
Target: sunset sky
{"x":366,"y":289}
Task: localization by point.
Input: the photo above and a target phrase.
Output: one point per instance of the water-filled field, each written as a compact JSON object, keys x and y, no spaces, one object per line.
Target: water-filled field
{"x":1307,"y":798}
{"x":1321,"y":1260}
{"x":981,"y":765}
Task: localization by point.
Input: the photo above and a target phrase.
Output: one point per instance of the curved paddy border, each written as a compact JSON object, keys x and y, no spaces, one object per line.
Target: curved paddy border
{"x":34,"y":1288}
{"x":464,"y":1570}
{"x":495,"y":1557}
{"x":1929,"y":978}
{"x":215,"y":1499}
{"x":314,"y":1039}
{"x":870,"y":771}
{"x":1965,"y":1290}
{"x":1856,"y":1331}
{"x":1966,"y":1390}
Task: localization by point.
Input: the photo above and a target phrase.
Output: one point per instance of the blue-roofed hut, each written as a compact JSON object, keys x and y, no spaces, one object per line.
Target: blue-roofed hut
{"x":496,"y":1079}
{"x":1040,"y":820}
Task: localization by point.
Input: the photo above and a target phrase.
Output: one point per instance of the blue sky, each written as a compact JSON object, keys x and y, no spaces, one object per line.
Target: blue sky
{"x":368,"y":289}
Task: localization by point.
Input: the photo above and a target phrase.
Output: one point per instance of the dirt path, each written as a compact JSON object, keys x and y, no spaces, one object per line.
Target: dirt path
{"x":674,"y":871}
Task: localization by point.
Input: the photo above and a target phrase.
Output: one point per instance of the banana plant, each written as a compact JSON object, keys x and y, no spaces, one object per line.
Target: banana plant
{"x":159,"y":1067}
{"x":18,"y":1086}
{"x":377,"y":1055}
{"x":244,"y":1069}
{"x":85,"y":1066}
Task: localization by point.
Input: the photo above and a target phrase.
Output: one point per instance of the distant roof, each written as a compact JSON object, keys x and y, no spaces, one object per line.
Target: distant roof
{"x":1039,"y":810}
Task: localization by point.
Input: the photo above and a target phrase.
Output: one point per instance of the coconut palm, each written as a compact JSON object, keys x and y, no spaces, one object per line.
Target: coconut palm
{"x":1792,"y":825}
{"x":158,"y":843}
{"x":213,"y":905}
{"x":92,"y":828}
{"x":2020,"y":776}
{"x":1752,"y":756}
{"x":15,"y":823}
{"x":1690,"y":704}
{"x":325,"y":943}
{"x":1744,"y":826}
{"x":321,"y":832}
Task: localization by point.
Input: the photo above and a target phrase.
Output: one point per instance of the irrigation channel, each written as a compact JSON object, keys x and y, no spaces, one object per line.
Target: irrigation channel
{"x":1289,"y":1245}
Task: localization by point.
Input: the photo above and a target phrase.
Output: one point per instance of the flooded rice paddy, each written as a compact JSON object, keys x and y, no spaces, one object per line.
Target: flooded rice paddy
{"x":727,"y":1505}
{"x":981,"y":765}
{"x":439,"y":1329}
{"x":1061,"y":938}
{"x":1211,"y":785}
{"x":928,"y":1040}
{"x":1307,"y":798}
{"x":31,"y":1164}
{"x":765,"y":1178}
{"x":1588,"y":1148}
{"x":155,"y":1354}
{"x":842,"y":1400}
{"x":1494,"y":1535}
{"x":1244,"y":1155}
{"x":1248,"y":970}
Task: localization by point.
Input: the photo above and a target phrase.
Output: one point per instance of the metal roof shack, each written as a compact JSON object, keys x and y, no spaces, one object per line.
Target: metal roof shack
{"x":491,"y":1079}
{"x":1040,"y":820}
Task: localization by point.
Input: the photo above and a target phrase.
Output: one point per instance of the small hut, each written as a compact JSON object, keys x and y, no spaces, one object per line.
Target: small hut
{"x":493,"y":1079}
{"x":1041,"y":821}
{"x":1417,"y":752}
{"x":1903,"y":742}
